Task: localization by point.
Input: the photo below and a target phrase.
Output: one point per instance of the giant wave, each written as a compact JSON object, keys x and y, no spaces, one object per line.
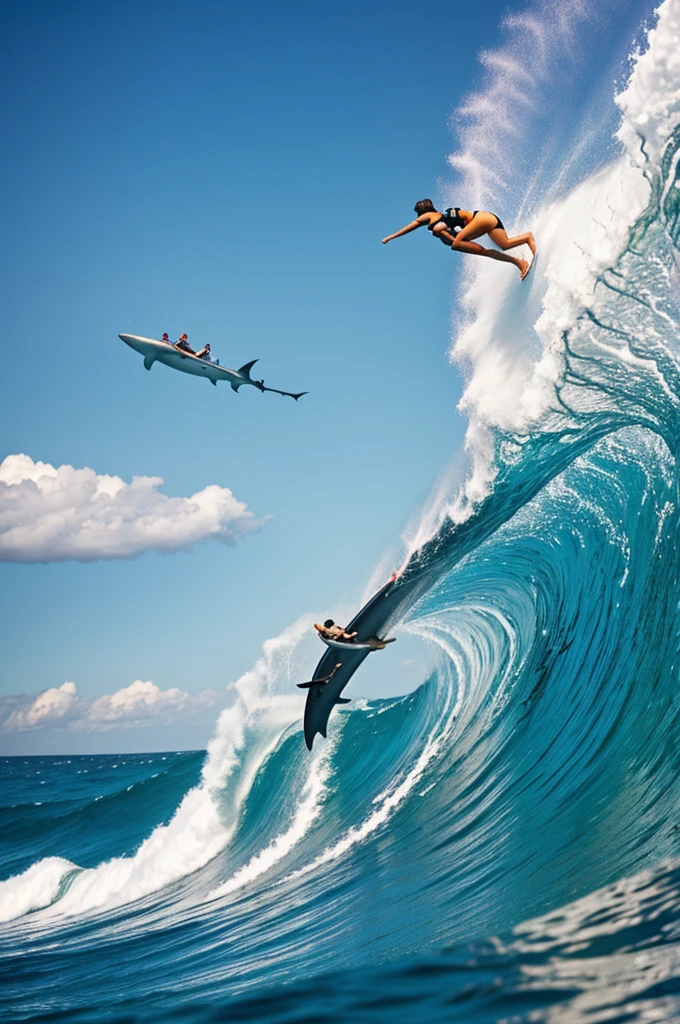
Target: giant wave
{"x":528,"y":788}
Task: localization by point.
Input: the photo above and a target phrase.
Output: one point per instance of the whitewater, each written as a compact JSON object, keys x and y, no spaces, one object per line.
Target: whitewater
{"x":503,"y":842}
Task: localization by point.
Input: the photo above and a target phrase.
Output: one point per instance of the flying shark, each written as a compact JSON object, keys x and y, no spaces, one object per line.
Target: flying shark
{"x":165,"y":352}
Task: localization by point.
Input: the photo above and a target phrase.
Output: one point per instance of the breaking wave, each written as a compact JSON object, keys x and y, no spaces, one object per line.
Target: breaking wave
{"x":527,"y":789}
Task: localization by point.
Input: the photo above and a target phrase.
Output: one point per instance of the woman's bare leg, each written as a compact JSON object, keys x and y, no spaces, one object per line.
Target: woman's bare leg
{"x":478,"y":226}
{"x":478,"y":250}
{"x":500,"y":237}
{"x":484,"y":223}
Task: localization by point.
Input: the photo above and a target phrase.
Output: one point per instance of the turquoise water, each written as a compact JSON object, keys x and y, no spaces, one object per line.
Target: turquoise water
{"x":501,"y":844}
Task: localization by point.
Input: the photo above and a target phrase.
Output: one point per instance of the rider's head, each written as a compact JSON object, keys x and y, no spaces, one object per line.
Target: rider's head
{"x":424,"y":206}
{"x":165,"y":337}
{"x":183,"y":337}
{"x":328,"y":623}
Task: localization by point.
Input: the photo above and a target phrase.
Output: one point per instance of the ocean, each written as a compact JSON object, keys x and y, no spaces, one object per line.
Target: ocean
{"x":503,"y":843}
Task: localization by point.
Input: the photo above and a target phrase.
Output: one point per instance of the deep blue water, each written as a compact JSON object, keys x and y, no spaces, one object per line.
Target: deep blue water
{"x":502,"y":844}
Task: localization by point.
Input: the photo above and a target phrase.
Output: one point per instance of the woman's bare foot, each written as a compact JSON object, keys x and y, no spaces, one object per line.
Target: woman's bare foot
{"x":524,"y":269}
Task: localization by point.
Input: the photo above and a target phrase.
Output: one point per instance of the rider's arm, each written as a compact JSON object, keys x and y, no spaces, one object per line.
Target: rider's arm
{"x":448,"y":235}
{"x":404,"y":231}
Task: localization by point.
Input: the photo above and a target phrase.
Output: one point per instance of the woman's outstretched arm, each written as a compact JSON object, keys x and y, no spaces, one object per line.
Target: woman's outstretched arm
{"x":404,"y":231}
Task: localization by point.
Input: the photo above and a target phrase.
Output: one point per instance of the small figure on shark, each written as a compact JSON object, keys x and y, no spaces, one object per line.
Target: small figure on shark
{"x":458,"y":228}
{"x":339,"y":636}
{"x":183,"y":344}
{"x":333,"y":632}
{"x":166,"y":337}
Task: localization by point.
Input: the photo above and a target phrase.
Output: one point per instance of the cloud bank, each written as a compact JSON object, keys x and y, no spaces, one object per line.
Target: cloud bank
{"x":50,"y":514}
{"x":140,"y":703}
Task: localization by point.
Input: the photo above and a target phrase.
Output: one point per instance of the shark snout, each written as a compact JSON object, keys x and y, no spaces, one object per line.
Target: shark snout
{"x":138,"y":344}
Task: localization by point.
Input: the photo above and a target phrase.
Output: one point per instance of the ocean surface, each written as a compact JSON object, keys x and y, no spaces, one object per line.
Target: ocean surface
{"x":502,"y":844}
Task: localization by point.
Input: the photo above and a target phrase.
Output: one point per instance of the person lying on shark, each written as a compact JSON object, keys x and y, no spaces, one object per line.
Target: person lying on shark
{"x":457,"y":228}
{"x":339,"y":636}
{"x":333,"y":632}
{"x":183,"y":344}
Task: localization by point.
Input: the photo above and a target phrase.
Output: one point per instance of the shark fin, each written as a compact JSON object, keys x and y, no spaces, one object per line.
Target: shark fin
{"x":149,"y":361}
{"x":246,"y":368}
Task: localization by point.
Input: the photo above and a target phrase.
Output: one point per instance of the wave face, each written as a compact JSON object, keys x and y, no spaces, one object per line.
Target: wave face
{"x":502,"y":843}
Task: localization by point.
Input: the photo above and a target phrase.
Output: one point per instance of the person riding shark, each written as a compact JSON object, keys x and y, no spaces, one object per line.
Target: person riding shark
{"x":457,"y":228}
{"x":181,"y":356}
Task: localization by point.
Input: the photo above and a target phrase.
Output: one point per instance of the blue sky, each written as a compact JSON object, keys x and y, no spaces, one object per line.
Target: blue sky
{"x":228,"y":171}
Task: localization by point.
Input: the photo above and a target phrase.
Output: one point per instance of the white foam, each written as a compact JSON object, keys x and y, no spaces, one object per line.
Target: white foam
{"x":207,"y":816}
{"x":650,"y":103}
{"x":33,"y":889}
{"x":306,"y":812}
{"x":386,"y":802}
{"x":510,"y":337}
{"x":541,"y":44}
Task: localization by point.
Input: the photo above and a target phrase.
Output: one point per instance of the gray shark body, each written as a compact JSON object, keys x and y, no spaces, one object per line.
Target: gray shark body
{"x":165,"y":352}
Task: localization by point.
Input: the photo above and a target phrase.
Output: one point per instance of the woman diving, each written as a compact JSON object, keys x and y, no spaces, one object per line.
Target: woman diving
{"x":457,"y":228}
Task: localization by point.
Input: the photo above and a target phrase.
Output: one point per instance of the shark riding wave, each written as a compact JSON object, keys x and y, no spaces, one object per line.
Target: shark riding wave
{"x":504,"y":842}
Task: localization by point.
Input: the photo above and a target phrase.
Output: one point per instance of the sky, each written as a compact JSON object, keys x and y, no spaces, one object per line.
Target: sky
{"x":227,"y":171}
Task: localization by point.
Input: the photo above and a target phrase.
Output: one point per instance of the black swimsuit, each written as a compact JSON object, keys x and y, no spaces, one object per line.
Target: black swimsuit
{"x":453,"y":222}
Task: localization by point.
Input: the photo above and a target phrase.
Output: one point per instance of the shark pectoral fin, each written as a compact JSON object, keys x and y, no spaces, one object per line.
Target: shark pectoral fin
{"x":212,"y":381}
{"x":344,"y":700}
{"x":148,"y":362}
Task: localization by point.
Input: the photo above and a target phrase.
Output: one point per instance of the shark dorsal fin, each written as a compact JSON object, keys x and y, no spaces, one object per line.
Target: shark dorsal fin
{"x":246,"y":368}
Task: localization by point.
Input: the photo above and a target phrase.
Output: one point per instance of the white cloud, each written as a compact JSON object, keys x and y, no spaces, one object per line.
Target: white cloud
{"x":51,"y":707}
{"x":50,"y":514}
{"x":140,"y":703}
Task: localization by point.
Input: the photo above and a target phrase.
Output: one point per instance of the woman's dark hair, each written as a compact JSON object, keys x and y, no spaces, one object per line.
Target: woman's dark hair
{"x":424,"y":206}
{"x":328,"y":623}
